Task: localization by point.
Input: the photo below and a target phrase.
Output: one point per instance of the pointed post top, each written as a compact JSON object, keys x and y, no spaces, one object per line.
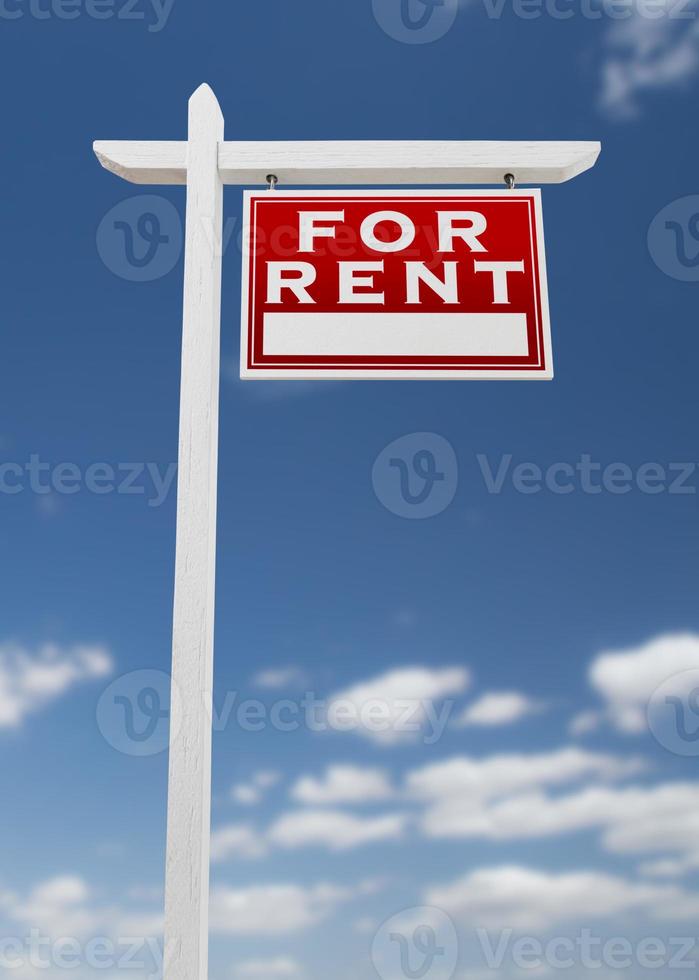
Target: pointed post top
{"x":203,"y":97}
{"x":204,"y":112}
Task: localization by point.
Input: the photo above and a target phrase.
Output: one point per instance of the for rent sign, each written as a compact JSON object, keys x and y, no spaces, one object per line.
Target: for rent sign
{"x":394,"y":284}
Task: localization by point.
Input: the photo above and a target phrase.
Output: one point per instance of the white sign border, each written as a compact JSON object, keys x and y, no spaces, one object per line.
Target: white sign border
{"x":419,"y":374}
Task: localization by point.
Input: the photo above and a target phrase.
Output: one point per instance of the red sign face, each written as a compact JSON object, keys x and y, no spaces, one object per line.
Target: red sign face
{"x":394,"y":284}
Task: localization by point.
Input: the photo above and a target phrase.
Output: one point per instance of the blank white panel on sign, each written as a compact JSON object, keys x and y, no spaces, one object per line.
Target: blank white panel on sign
{"x":399,"y":334}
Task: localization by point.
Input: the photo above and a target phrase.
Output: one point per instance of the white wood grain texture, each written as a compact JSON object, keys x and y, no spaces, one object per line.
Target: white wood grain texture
{"x":189,"y":797}
{"x":357,"y":162}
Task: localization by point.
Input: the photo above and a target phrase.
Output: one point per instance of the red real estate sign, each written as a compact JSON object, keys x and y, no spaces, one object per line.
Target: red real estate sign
{"x":394,"y":284}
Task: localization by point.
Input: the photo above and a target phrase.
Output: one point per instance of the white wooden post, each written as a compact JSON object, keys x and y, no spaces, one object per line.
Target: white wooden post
{"x":189,"y":800}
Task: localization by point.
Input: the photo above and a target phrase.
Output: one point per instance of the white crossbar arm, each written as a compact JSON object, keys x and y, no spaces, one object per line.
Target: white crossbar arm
{"x":356,"y":162}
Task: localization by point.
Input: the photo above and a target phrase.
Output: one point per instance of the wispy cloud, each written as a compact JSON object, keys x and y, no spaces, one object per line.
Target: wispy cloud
{"x":502,"y":774}
{"x":399,"y":705}
{"x":237,"y":841}
{"x":343,"y":784}
{"x":523,"y":898}
{"x":510,"y":798}
{"x":253,"y":792}
{"x":478,"y":797}
{"x":276,"y":678}
{"x":274,"y":909}
{"x":68,"y":906}
{"x":498,"y":708}
{"x":645,"y":54}
{"x":278,"y":966}
{"x":331,"y":829}
{"x":273,"y":391}
{"x":335,"y":829}
{"x":31,"y":680}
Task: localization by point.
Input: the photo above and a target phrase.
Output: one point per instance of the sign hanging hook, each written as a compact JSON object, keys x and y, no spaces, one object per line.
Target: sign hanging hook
{"x":510,"y":181}
{"x":272,"y":181}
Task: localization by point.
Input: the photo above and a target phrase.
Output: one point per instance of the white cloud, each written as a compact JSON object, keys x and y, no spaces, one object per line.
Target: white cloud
{"x":334,"y":829}
{"x":266,"y":778}
{"x":501,"y":796}
{"x":626,"y":679}
{"x":669,"y":867}
{"x":625,"y":815}
{"x":659,"y":819}
{"x":398,"y":705}
{"x":29,"y":681}
{"x":585,"y":722}
{"x":274,"y":909}
{"x":236,"y":841}
{"x":68,"y":906}
{"x":249,"y":794}
{"x":246,"y":794}
{"x":498,"y":708}
{"x":66,"y":890}
{"x":7,"y":899}
{"x":328,"y":828}
{"x":276,"y":678}
{"x":343,"y":784}
{"x":506,"y":798}
{"x":59,"y":907}
{"x":523,"y":898}
{"x":646,"y":54}
{"x":464,"y":777}
{"x":366,"y":926}
{"x":279,"y":966}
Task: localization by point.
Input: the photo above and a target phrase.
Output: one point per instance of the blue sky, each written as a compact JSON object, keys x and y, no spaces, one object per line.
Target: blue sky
{"x":539,"y":625}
